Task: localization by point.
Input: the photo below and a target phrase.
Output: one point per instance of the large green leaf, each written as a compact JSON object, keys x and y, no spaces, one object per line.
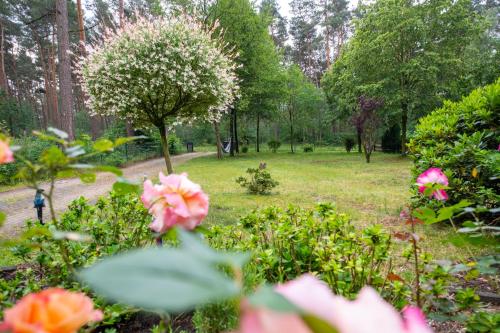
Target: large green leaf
{"x":167,"y":279}
{"x":268,"y":298}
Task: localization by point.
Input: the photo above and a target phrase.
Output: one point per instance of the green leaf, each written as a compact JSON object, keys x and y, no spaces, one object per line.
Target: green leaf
{"x":75,"y":151}
{"x":47,"y":137}
{"x":192,"y":243}
{"x":122,"y":141}
{"x":87,"y":177}
{"x":266,"y":297}
{"x":318,"y":325}
{"x":3,"y":217}
{"x":72,"y":236}
{"x":123,"y":186}
{"x":54,"y":157}
{"x":167,"y":279}
{"x":109,"y":168}
{"x":425,"y":214}
{"x":103,"y":145}
{"x":444,"y":214}
{"x":61,"y":134}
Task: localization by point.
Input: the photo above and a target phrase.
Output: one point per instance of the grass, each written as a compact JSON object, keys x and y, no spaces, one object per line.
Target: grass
{"x":369,"y":193}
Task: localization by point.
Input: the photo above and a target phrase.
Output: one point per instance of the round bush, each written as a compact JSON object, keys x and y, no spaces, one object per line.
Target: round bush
{"x":462,"y":138}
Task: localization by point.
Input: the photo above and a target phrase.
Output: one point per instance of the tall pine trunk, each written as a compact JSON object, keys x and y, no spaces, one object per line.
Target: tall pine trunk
{"x":121,"y":15}
{"x":3,"y":77}
{"x":95,"y":120}
{"x":65,"y":81}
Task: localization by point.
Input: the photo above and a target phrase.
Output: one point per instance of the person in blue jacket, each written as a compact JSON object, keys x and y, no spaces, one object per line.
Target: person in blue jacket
{"x":39,"y":203}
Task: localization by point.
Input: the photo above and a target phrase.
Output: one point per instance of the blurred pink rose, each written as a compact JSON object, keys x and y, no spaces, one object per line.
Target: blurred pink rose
{"x":433,"y":176}
{"x":367,"y":314}
{"x":175,"y":201}
{"x":6,"y":155}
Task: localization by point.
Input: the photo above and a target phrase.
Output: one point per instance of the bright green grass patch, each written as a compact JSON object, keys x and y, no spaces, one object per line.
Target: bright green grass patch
{"x":370,"y":193}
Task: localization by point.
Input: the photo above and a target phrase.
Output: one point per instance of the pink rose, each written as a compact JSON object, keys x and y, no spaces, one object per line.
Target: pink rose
{"x":433,"y":176}
{"x":52,"y":310}
{"x":6,"y":155}
{"x":367,"y":314}
{"x":175,"y":201}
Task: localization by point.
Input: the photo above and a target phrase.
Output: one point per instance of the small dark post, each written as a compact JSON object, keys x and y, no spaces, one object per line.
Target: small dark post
{"x":190,"y":147}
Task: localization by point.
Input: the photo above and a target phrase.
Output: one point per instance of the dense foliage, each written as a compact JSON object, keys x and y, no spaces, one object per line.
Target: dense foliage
{"x":462,"y":138}
{"x":155,"y":73}
{"x":259,"y":180}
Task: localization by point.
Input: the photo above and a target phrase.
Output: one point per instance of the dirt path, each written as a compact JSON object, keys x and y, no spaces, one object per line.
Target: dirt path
{"x":18,"y":203}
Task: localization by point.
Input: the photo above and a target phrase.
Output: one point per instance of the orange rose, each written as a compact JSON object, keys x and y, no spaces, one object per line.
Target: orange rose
{"x":53,"y":310}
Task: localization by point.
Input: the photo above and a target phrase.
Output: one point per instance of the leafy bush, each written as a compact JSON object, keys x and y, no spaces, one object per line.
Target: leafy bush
{"x":391,"y":139}
{"x":244,"y":149}
{"x":259,"y":181}
{"x":483,"y":322}
{"x":349,"y":144}
{"x":31,"y":148}
{"x":288,"y":243}
{"x":174,"y":144}
{"x":462,"y":138}
{"x":308,"y":148}
{"x":114,"y":224}
{"x":274,"y":145}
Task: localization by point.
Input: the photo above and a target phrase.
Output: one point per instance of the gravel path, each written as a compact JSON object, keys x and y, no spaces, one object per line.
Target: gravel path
{"x":18,"y":203}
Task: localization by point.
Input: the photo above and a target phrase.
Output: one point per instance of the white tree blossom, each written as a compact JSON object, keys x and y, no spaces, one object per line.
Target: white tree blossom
{"x":157,"y":72}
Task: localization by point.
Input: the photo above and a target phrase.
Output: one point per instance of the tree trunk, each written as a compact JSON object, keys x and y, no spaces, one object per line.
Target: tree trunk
{"x":121,"y":13}
{"x":359,"y":140}
{"x":258,"y":134}
{"x":95,"y":120}
{"x":291,"y":127}
{"x":65,"y":81}
{"x":218,"y":140}
{"x":50,"y":111}
{"x":327,"y":34}
{"x":164,"y":145}
{"x":404,"y":122}
{"x":236,"y":141}
{"x":4,"y":85}
{"x":231,"y":133}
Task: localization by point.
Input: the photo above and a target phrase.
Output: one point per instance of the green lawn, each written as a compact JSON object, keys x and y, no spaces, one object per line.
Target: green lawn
{"x":370,"y":193}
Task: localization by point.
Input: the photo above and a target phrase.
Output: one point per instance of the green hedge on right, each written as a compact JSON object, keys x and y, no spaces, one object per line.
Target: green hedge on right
{"x":463,"y":139}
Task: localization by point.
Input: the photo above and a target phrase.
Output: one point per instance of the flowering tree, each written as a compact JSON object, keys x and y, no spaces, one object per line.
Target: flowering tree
{"x":161,"y":72}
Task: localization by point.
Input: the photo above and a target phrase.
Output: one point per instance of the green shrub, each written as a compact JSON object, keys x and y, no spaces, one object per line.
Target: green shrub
{"x":259,"y":181}
{"x":174,"y":144}
{"x":483,"y":322}
{"x":288,"y":243}
{"x":349,"y":144}
{"x":308,"y":148}
{"x":462,"y":138}
{"x":216,"y":318}
{"x":31,"y":148}
{"x":391,"y":139}
{"x":274,"y":145}
{"x":244,"y":149}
